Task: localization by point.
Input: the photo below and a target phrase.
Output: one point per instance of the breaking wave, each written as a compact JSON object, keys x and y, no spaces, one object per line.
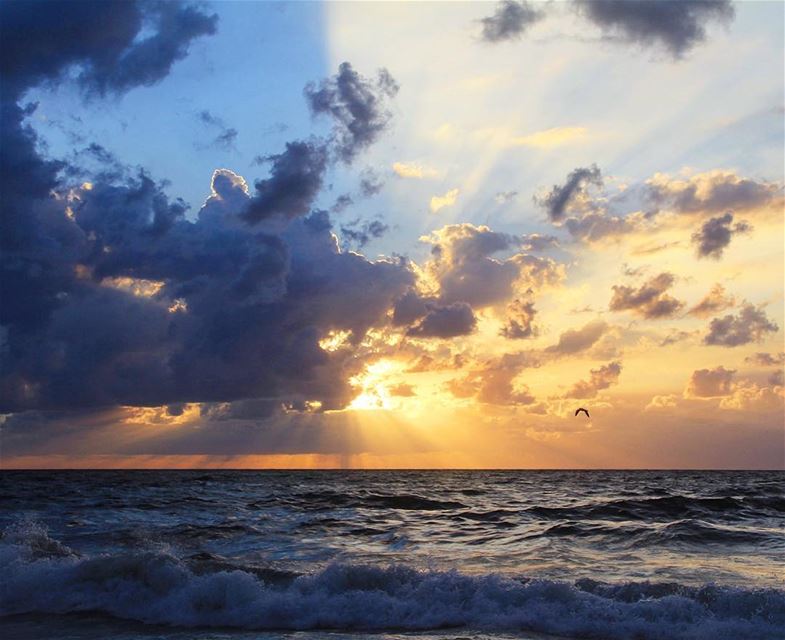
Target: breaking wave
{"x":41,"y":575}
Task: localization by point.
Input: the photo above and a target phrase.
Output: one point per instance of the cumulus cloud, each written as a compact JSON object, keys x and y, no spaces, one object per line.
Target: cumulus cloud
{"x":296,"y":177}
{"x":712,"y":192}
{"x":577,"y":340}
{"x":710,"y":383}
{"x":676,"y":26}
{"x":560,"y":197}
{"x":716,"y":300}
{"x":357,"y":104}
{"x":510,"y":21}
{"x":650,"y":300}
{"x":599,"y":379}
{"x":749,"y":325}
{"x":464,"y":269}
{"x":751,"y":397}
{"x":715,"y":234}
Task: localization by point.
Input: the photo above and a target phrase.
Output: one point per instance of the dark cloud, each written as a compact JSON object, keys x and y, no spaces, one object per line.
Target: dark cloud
{"x":599,"y":379}
{"x":710,"y":193}
{"x":296,"y":177}
{"x":749,"y":325}
{"x":360,"y":232}
{"x":411,"y":307}
{"x":510,"y":21}
{"x":577,"y":340}
{"x":777,"y":379}
{"x":114,"y":46}
{"x":716,"y":300}
{"x":357,"y":104}
{"x":462,"y":263}
{"x":224,"y":314}
{"x":710,"y":383}
{"x":561,"y":196}
{"x":111,"y":296}
{"x":449,"y":321}
{"x":715,"y":234}
{"x":650,"y":300}
{"x":766,"y":359}
{"x":677,"y":26}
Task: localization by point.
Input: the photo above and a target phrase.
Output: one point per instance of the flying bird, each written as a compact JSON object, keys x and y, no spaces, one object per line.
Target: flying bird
{"x":579,"y":409}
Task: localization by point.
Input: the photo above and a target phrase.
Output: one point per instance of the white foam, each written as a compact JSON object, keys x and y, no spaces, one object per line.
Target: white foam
{"x":42,"y":576}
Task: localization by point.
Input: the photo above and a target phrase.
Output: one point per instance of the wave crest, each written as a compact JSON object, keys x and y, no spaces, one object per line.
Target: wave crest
{"x":43,"y":576}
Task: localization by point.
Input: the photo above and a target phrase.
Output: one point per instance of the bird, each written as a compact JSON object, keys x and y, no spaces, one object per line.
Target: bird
{"x":579,"y":409}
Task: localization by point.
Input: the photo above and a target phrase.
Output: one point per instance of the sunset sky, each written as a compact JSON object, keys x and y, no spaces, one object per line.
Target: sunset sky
{"x":392,"y":234}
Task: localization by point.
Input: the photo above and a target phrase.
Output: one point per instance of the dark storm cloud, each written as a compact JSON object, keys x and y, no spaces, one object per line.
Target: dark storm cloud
{"x":599,"y":379}
{"x":252,"y":309}
{"x":111,"y":296}
{"x":357,"y":104}
{"x":677,"y":26}
{"x":41,"y":39}
{"x":749,"y":325}
{"x":560,"y":196}
{"x":577,"y":340}
{"x":453,"y":320}
{"x":715,"y":234}
{"x":650,"y":300}
{"x":510,"y":21}
{"x":296,"y":177}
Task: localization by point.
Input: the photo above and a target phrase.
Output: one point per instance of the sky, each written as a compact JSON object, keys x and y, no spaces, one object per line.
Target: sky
{"x":392,"y":235}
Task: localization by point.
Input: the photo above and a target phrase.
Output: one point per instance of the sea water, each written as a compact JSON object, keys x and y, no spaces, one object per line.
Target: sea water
{"x":423,"y":554}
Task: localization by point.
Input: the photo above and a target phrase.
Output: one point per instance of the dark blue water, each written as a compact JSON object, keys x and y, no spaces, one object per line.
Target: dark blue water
{"x":524,"y":554}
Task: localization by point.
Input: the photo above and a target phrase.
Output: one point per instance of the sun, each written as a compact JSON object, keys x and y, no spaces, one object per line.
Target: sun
{"x":374,"y":384}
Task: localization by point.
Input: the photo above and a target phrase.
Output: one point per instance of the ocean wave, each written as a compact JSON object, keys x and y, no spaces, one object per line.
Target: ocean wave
{"x":669,"y":506}
{"x":43,"y":576}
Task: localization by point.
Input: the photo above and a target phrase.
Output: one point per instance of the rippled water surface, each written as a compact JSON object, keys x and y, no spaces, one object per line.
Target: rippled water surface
{"x":573,"y":554}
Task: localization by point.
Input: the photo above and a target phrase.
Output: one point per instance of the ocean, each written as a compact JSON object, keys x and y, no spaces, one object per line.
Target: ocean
{"x":241,"y":555}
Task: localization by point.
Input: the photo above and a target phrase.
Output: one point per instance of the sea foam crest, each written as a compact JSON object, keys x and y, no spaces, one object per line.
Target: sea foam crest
{"x":43,"y":576}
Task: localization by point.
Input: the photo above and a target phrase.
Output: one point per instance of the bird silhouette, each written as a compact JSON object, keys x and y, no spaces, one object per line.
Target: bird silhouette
{"x":579,"y":409}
